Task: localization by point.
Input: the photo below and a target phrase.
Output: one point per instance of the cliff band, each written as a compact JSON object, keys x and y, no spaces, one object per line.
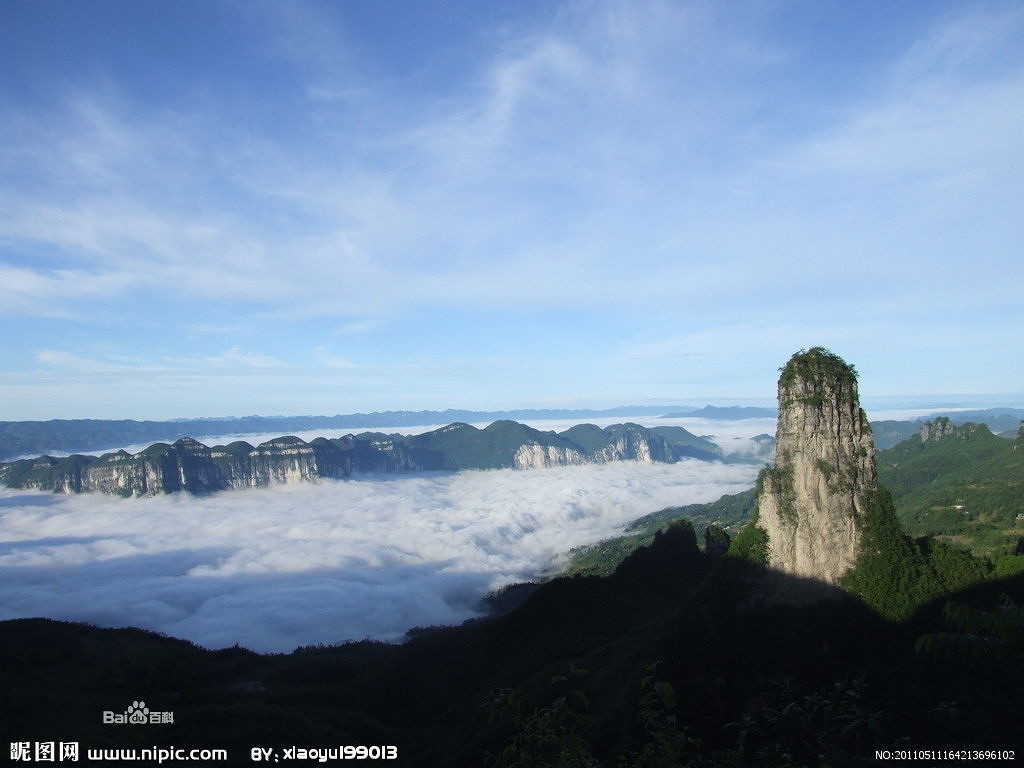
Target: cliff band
{"x":187,"y":465}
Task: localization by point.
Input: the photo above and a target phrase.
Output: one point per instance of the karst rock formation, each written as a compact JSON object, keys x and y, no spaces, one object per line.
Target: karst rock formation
{"x":813,"y":499}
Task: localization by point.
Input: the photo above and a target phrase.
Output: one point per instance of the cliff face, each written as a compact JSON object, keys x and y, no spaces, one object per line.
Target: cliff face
{"x":626,"y":442}
{"x":934,"y":431}
{"x":812,"y":501}
{"x":636,"y":446}
{"x":188,"y":465}
{"x":533,"y":456}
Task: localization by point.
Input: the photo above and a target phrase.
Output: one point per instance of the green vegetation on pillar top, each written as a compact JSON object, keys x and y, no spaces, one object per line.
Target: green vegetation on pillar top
{"x":817,"y":364}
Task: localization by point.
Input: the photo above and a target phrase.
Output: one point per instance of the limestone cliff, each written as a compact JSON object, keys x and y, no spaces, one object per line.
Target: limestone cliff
{"x":812,"y":500}
{"x":187,"y":465}
{"x":634,"y":446}
{"x":533,"y":456}
{"x":934,"y":431}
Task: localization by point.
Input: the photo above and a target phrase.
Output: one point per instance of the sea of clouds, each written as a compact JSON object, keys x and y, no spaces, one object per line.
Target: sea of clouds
{"x":276,"y":568}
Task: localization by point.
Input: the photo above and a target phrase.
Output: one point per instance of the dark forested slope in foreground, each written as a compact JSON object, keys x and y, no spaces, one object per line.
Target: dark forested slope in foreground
{"x":673,"y":656}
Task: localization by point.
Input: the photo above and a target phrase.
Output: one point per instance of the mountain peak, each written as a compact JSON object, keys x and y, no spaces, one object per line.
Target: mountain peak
{"x":812,"y":499}
{"x":191,"y":446}
{"x":818,"y":366}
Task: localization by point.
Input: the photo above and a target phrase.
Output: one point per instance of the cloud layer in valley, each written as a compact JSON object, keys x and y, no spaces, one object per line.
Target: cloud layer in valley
{"x":277,"y":568}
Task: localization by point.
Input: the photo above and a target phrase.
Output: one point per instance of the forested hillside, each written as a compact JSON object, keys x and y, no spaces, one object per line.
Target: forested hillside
{"x":963,"y":485}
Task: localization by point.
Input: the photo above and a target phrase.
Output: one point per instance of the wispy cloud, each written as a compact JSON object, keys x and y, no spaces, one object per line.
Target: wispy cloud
{"x":237,"y":357}
{"x":330,"y":360}
{"x":51,"y":293}
{"x":418,"y":219}
{"x":234,"y":357}
{"x":959,"y":43}
{"x":215,"y":328}
{"x":63,"y":359}
{"x":652,"y":173}
{"x":948,"y":136}
{"x":446,"y":205}
{"x":948,"y":111}
{"x":357,"y":327}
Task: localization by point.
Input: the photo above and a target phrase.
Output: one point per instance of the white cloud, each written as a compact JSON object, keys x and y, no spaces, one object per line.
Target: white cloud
{"x":357,"y":327}
{"x":661,"y":170}
{"x":292,"y":565}
{"x":950,"y":110}
{"x":938,"y":135}
{"x":608,"y":113}
{"x":232,"y":358}
{"x":48,"y":293}
{"x":418,"y":212}
{"x":62,"y":359}
{"x":236,"y":357}
{"x":956,"y":44}
{"x":329,"y":360}
{"x":218,"y":329}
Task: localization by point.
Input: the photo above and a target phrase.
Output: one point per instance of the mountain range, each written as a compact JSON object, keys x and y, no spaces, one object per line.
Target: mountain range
{"x":731,"y":412}
{"x":189,"y":465}
{"x":19,"y":438}
{"x":27,"y":438}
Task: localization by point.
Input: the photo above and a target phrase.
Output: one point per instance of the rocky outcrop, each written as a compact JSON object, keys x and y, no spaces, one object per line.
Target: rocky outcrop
{"x":635,"y":446}
{"x":188,"y":465}
{"x":534,"y":456}
{"x":632,"y":442}
{"x":933,"y":431}
{"x":812,"y":500}
{"x":940,"y":428}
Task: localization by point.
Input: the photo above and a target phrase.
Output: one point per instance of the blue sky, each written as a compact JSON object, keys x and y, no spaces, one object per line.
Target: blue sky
{"x":224,"y":208}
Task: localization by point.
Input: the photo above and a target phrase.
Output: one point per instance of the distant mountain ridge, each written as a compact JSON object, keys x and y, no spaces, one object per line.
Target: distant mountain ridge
{"x":997,"y":419}
{"x":1003,"y":421}
{"x":725,"y":413}
{"x":188,"y":465}
{"x":28,"y":438}
{"x":19,"y":438}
